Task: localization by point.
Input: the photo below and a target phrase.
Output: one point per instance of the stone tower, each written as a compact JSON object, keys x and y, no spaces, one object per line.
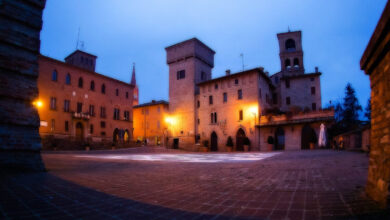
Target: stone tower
{"x":135,"y":91}
{"x":291,"y":53}
{"x":190,"y":62}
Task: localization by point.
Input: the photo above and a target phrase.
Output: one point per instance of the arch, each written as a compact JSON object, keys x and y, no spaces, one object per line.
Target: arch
{"x":279,"y":139}
{"x":79,"y":131}
{"x":81,"y":82}
{"x":115,"y":136}
{"x":68,"y":79}
{"x":126,"y":136}
{"x":296,"y":62}
{"x":92,"y":86}
{"x":240,"y":137}
{"x":54,"y":75}
{"x":103,"y":88}
{"x":214,"y":141}
{"x":290,"y":45}
{"x":308,"y":136}
{"x":287,"y":63}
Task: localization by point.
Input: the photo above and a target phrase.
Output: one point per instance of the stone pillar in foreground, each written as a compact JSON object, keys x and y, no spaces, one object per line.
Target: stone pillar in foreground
{"x":376,"y":63}
{"x":20,"y":26}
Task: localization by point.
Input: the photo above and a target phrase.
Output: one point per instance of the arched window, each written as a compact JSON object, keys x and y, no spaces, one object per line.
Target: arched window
{"x":80,"y":82}
{"x":92,"y":87}
{"x":290,"y":45}
{"x":287,"y":63}
{"x":296,"y":62}
{"x":54,"y":75}
{"x":67,"y":79}
{"x":104,"y":89}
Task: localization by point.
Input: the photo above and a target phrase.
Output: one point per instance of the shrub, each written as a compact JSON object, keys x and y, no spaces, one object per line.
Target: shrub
{"x":229,"y":142}
{"x":247,"y":141}
{"x":270,"y":140}
{"x":206,"y":143}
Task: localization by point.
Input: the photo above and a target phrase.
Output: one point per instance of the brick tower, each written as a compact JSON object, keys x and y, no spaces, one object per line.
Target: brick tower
{"x":290,"y":52}
{"x":190,"y":62}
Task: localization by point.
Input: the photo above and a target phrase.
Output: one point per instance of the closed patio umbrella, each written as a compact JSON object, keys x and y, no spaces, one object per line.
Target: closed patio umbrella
{"x":322,"y":136}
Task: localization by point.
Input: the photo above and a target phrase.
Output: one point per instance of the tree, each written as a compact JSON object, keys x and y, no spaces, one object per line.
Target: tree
{"x":367,"y":113}
{"x":351,"y":108}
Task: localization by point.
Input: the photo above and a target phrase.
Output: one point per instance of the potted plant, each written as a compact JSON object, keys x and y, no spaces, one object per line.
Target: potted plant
{"x":270,"y":142}
{"x":247,"y":143}
{"x":87,"y":147}
{"x":313,"y":140}
{"x":113,"y":146}
{"x":205,"y":146}
{"x":229,"y":144}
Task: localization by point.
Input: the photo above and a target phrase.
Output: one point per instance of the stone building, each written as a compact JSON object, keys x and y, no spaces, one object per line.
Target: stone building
{"x":151,"y":122}
{"x":76,"y":103}
{"x":376,"y":63}
{"x":249,"y":104}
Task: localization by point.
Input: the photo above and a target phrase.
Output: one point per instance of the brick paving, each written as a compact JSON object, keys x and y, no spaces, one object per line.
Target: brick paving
{"x":318,"y":184}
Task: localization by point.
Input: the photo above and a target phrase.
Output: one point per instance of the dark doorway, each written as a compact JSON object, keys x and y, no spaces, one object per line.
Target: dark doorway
{"x":279,"y":139}
{"x":240,"y":137}
{"x":115,"y":136}
{"x":79,"y":131}
{"x":214,"y":142}
{"x":176,"y":143}
{"x":308,"y":136}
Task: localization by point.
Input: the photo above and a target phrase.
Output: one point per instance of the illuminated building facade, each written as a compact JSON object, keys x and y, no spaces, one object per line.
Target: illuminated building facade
{"x":248,"y":105}
{"x":151,"y":122}
{"x":76,"y":103}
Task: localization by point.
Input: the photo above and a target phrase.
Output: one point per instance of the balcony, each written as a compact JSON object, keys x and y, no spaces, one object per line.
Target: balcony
{"x":313,"y":116}
{"x":81,"y":115}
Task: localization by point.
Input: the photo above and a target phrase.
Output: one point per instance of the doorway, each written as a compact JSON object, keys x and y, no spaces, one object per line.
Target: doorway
{"x":176,"y":143}
{"x":240,"y":137}
{"x":79,"y":131}
{"x":214,"y":142}
{"x":308,"y":136}
{"x":279,"y":139}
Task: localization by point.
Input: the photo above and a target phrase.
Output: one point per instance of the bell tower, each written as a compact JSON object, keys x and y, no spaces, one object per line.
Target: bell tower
{"x":290,"y":52}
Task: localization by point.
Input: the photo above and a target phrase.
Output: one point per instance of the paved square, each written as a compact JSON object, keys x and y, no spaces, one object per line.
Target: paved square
{"x":153,"y":183}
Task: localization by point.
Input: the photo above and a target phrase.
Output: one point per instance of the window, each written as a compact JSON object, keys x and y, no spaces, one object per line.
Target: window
{"x":296,"y":62}
{"x":104,"y":89}
{"x":66,"y":125}
{"x":313,"y":90}
{"x":126,"y":115}
{"x":117,"y":92}
{"x":240,"y":115}
{"x":213,"y":117}
{"x":198,"y":103}
{"x":91,"y":129}
{"x":53,"y":125}
{"x":53,"y":103}
{"x":216,"y":86}
{"x":288,"y":101}
{"x":181,"y":74}
{"x":198,"y":121}
{"x":158,"y":109}
{"x":275,"y":98}
{"x":102,"y":124}
{"x":312,"y":79}
{"x":103,"y":133}
{"x":92,"y":110}
{"x":116,"y":114}
{"x":92,"y":87}
{"x":102,"y":112}
{"x":202,"y":75}
{"x":287,"y":63}
{"x":224,"y":97}
{"x":236,"y":81}
{"x":79,"y":107}
{"x":66,"y":105}
{"x":290,"y":45}
{"x":314,"y":106}
{"x":211,"y":100}
{"x":67,"y":79}
{"x":276,"y":80}
{"x":239,"y":94}
{"x":158,"y":124}
{"x":127,"y":95}
{"x":287,"y":83}
{"x":80,"y":82}
{"x":54,"y":75}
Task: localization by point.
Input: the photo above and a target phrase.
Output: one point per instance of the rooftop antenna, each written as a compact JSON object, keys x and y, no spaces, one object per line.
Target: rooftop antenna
{"x":82,"y":45}
{"x":242,"y":59}
{"x":78,"y":39}
{"x":288,"y":27}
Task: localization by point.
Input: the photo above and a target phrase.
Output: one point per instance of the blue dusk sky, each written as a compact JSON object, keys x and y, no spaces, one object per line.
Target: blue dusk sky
{"x":335,"y":34}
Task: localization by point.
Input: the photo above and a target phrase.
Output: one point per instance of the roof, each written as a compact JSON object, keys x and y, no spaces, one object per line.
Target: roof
{"x":84,"y":70}
{"x":79,"y":51}
{"x":379,"y":44}
{"x":233,"y":75}
{"x":306,"y":75}
{"x":153,"y":102}
{"x":288,"y":33}
{"x":186,"y":41}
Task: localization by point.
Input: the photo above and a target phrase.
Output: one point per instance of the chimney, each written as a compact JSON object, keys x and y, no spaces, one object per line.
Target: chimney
{"x":153,"y":101}
{"x":227,"y":72}
{"x":316,"y":69}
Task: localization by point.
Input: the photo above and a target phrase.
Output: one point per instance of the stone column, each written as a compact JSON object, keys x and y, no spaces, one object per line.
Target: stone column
{"x":376,"y":63}
{"x":20,"y":26}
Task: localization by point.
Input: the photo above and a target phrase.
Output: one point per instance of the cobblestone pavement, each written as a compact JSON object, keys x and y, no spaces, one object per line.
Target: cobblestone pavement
{"x":317,"y":184}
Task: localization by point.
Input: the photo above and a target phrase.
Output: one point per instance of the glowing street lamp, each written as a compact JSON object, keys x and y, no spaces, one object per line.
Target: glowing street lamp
{"x":38,"y":103}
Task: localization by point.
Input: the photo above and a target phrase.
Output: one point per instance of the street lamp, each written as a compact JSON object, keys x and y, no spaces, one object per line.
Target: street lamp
{"x":38,"y":103}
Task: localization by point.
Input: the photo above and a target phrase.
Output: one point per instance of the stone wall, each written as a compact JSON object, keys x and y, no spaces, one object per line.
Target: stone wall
{"x":376,"y":63}
{"x":20,"y":26}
